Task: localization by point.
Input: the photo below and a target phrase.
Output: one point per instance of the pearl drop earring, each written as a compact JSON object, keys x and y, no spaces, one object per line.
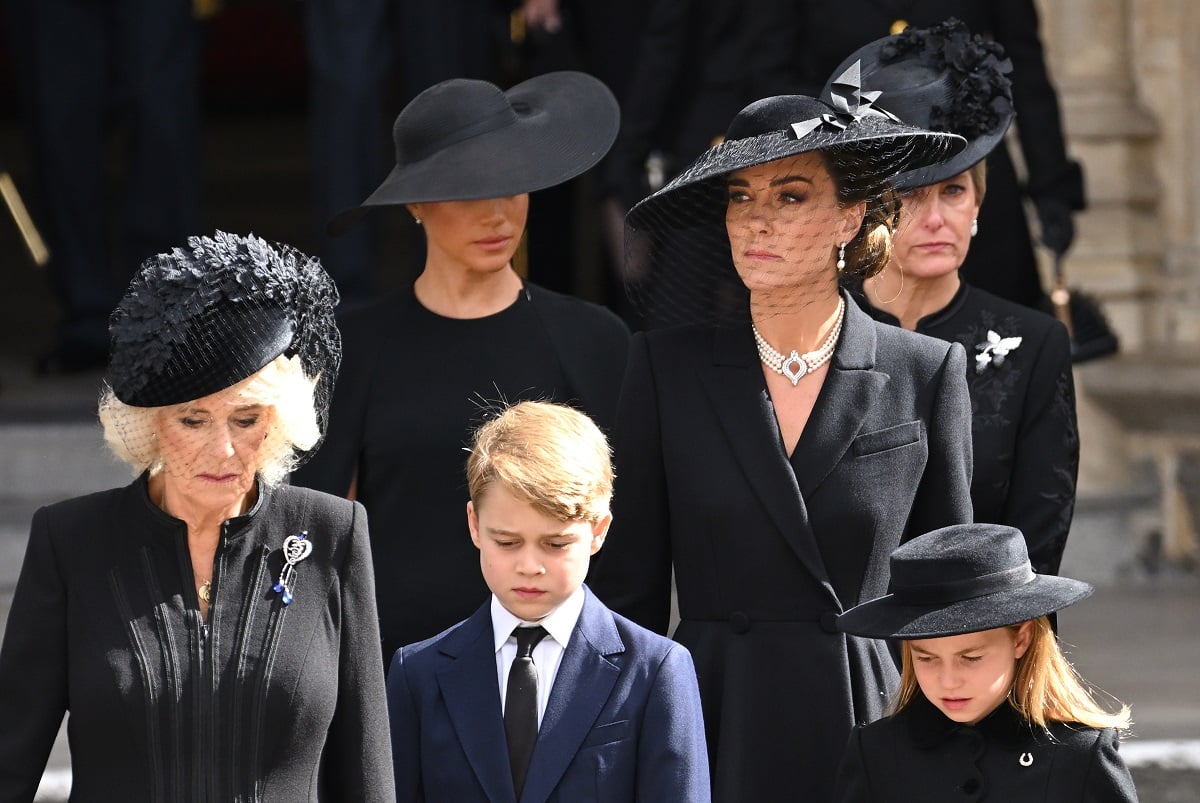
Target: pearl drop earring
{"x":841,"y":262}
{"x":974,"y":227}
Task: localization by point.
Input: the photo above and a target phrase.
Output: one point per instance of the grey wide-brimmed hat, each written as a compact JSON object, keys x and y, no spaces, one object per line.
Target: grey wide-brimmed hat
{"x":466,"y":139}
{"x":961,"y":579}
{"x":848,"y":122}
{"x":941,"y":78}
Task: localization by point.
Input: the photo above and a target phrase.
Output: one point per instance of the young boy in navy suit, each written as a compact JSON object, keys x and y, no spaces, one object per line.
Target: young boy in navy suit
{"x":544,"y":694}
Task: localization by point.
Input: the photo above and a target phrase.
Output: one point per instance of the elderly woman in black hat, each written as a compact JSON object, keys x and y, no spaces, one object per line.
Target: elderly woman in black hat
{"x":211,"y":633}
{"x":422,"y":368}
{"x":772,"y":459}
{"x":989,"y":708}
{"x":1026,"y":442}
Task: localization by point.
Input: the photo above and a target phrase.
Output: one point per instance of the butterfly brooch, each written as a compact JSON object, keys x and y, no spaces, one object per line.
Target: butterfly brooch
{"x":994,"y":350}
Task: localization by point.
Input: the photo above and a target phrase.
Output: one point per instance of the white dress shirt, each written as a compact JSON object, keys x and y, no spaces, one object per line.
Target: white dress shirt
{"x":547,"y":655}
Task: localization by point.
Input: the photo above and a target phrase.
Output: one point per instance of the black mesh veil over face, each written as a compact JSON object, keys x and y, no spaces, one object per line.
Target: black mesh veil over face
{"x":797,"y":191}
{"x":204,"y":318}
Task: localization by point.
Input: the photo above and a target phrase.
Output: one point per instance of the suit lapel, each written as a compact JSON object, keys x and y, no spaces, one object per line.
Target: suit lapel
{"x":472,"y":694}
{"x":737,"y":391}
{"x":582,"y":687}
{"x":851,"y":389}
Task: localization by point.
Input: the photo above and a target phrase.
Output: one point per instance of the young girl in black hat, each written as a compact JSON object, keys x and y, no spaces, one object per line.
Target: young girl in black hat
{"x":988,"y":708}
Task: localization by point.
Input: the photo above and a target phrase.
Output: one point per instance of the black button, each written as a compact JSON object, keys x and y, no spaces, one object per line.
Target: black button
{"x":829,"y":621}
{"x":971,"y":786}
{"x":739,"y":622}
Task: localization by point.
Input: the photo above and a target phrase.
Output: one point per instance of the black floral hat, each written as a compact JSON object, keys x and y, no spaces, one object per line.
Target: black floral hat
{"x":202,"y":318}
{"x":942,"y":78}
{"x":961,"y":579}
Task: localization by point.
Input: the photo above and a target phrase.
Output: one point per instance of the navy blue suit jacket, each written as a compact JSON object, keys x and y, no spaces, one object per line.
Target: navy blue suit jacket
{"x":623,"y":722}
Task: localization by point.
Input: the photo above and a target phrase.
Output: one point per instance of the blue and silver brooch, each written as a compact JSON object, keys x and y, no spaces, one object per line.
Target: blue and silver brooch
{"x":295,"y":549}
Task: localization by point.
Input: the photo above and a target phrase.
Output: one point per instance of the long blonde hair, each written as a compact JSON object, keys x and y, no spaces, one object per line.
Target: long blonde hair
{"x":1046,"y":687}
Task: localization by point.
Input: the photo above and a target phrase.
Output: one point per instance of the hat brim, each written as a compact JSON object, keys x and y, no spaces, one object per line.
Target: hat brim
{"x":976,"y":151}
{"x":566,"y":122}
{"x":887,"y":149}
{"x":890,"y":617}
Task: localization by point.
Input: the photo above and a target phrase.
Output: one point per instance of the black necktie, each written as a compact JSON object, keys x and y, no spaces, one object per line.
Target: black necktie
{"x":520,"y":705}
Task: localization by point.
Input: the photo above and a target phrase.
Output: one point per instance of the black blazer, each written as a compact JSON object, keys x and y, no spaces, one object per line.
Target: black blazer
{"x":921,"y":756}
{"x":704,"y":487}
{"x":263,"y":702}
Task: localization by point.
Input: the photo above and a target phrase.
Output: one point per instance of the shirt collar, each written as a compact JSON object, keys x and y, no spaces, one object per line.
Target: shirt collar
{"x":559,"y":623}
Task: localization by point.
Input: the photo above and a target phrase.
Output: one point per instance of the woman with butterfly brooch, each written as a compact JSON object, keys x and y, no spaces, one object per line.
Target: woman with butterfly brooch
{"x":211,"y":631}
{"x":1026,"y":443}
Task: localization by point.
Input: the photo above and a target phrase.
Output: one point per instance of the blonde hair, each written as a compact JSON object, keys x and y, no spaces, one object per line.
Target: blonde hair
{"x":549,"y":455}
{"x":978,"y":173}
{"x":1046,"y":687}
{"x":280,"y":385}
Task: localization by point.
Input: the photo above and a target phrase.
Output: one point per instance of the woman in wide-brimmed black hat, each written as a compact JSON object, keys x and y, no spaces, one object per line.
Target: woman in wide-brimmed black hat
{"x":772,"y":455}
{"x":210,"y":632}
{"x":423,"y":367}
{"x":1026,"y":441}
{"x":988,"y":708}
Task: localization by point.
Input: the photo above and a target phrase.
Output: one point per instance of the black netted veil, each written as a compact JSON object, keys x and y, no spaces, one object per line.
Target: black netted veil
{"x":679,"y":265}
{"x":199,"y":319}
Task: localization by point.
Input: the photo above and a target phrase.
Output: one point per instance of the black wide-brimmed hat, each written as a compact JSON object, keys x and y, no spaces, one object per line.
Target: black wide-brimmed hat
{"x":941,"y":78}
{"x":848,"y":123}
{"x":961,"y":579}
{"x":202,"y":318}
{"x":466,"y":139}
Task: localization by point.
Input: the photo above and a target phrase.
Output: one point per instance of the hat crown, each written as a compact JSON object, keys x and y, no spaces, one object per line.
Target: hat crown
{"x":447,"y":113}
{"x":956,"y":555}
{"x":774,"y":114}
{"x":911,"y":91}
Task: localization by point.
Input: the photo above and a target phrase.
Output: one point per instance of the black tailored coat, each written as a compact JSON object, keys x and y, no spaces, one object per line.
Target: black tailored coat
{"x":263,"y":702}
{"x":704,"y":487}
{"x":921,"y":756}
{"x":1002,"y":259}
{"x":1023,"y":423}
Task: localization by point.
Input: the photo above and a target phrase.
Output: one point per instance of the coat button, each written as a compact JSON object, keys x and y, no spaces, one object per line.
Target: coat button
{"x":829,"y":621}
{"x":739,"y":622}
{"x":971,"y":786}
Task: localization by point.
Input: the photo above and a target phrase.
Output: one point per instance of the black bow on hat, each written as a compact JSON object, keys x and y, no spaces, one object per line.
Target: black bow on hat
{"x":465,"y":139}
{"x":961,"y":579}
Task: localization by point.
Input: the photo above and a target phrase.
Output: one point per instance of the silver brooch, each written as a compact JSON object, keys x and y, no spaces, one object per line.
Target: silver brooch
{"x":295,"y":549}
{"x":1026,"y":760}
{"x":994,"y":350}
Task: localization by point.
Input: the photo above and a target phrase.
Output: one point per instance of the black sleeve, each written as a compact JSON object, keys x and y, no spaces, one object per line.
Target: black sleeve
{"x":1108,"y":779}
{"x":1039,"y":122}
{"x":1041,"y":497}
{"x":944,"y":494}
{"x":358,"y":751}
{"x":632,"y":573}
{"x":853,"y":781}
{"x":33,"y":667}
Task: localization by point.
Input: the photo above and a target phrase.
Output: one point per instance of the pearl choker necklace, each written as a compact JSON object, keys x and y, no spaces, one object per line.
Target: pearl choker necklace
{"x":795,"y":366}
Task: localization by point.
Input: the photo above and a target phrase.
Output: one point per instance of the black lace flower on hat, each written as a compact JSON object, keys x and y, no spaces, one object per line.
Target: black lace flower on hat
{"x":201,"y":318}
{"x":982,"y":95}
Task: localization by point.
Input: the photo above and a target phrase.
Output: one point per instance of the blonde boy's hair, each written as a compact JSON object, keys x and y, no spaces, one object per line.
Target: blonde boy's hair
{"x":549,"y":455}
{"x":1045,"y":689}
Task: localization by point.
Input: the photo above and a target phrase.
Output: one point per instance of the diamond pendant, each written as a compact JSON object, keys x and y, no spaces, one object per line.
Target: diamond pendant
{"x":800,"y":369}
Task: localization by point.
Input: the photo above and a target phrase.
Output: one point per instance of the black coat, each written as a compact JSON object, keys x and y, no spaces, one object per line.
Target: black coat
{"x":1023,"y":425}
{"x":921,"y":756}
{"x":264,"y":702}
{"x":1002,"y":259}
{"x":704,"y":487}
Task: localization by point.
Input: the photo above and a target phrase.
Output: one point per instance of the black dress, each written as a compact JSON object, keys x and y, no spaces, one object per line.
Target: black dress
{"x":922,"y":756}
{"x":263,"y":702}
{"x":1026,"y":441}
{"x":412,"y":387}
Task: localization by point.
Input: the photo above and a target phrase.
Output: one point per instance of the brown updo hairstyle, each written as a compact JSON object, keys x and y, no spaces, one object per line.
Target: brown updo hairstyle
{"x":868,"y":252}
